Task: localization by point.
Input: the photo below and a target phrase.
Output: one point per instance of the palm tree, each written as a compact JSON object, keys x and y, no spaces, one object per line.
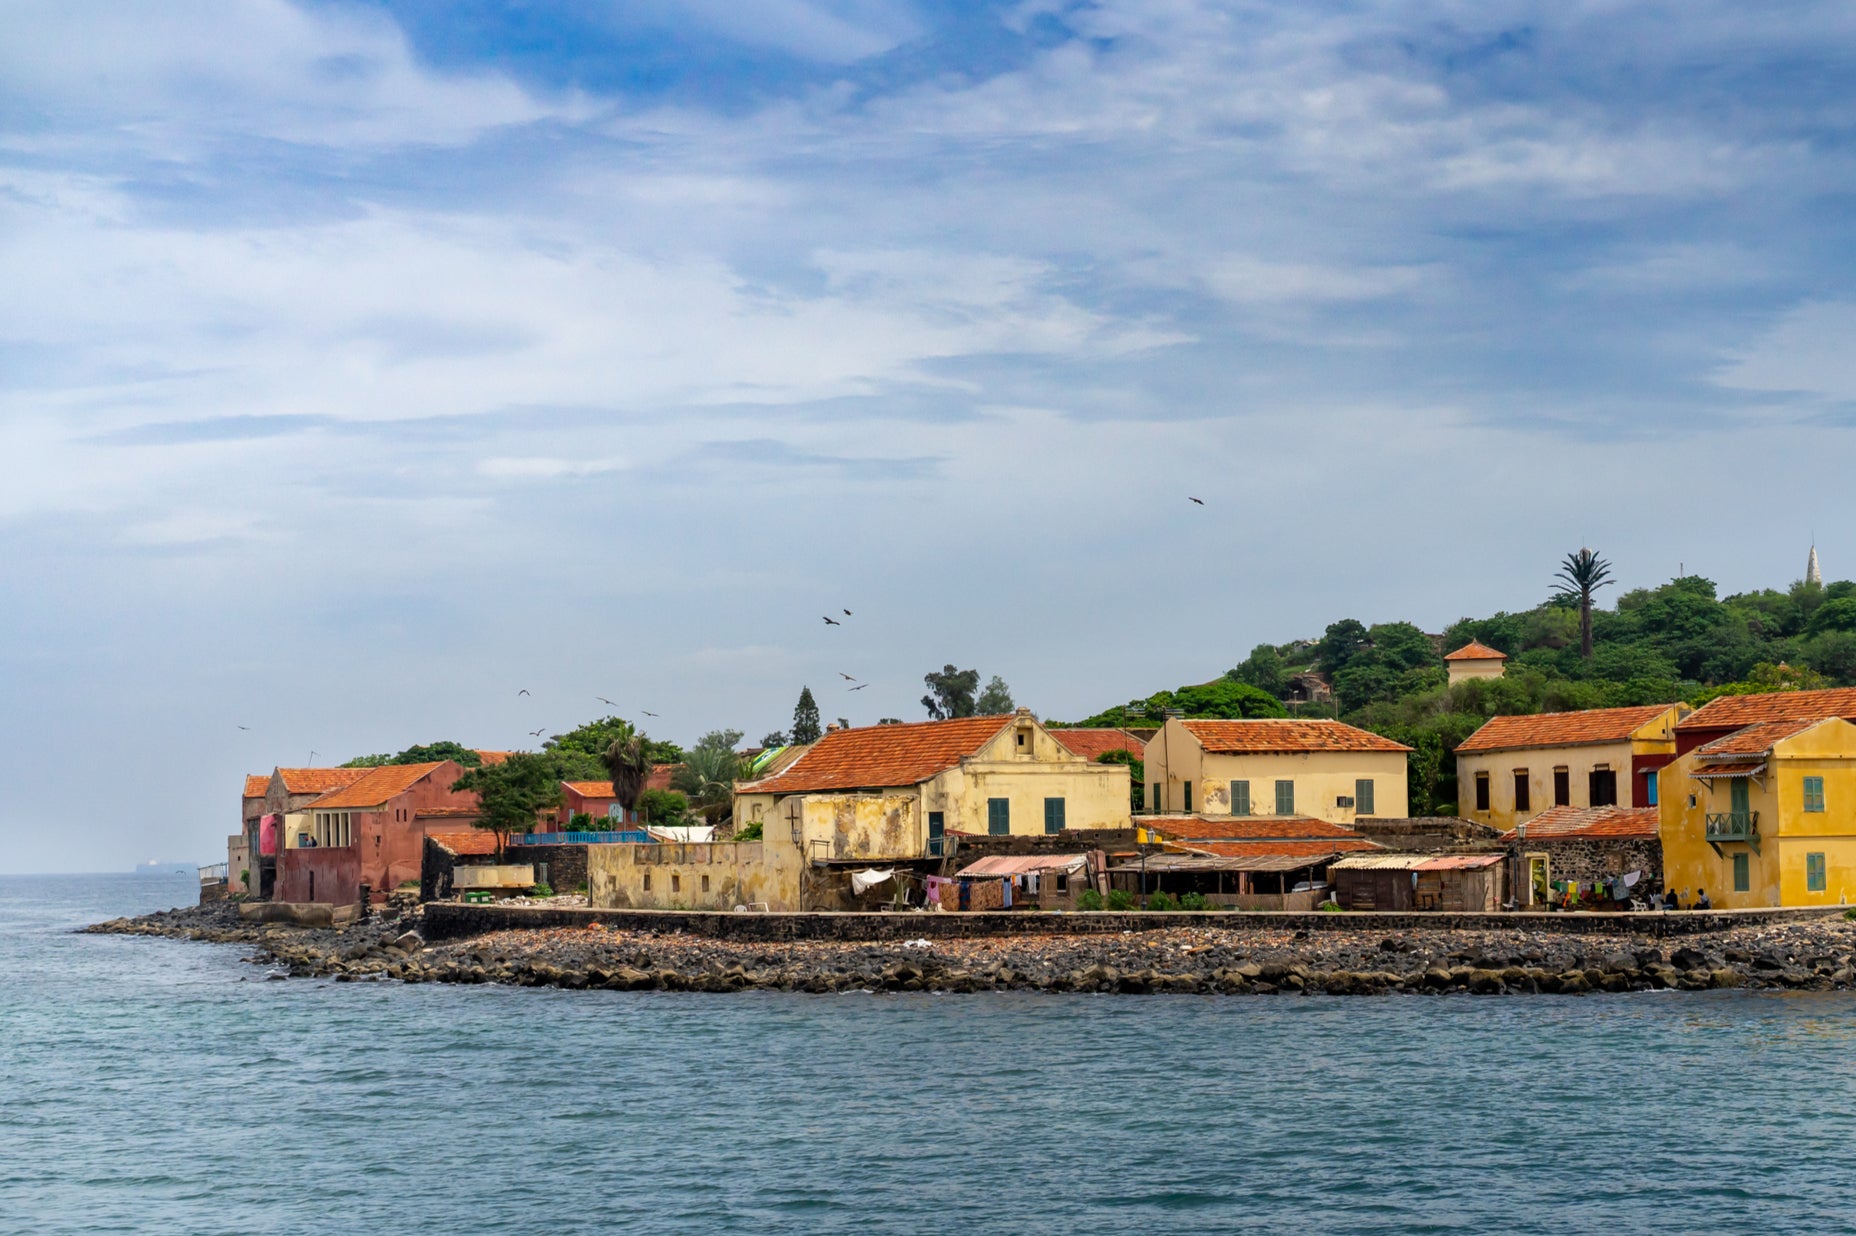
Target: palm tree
{"x":708,"y":777}
{"x":629,"y":761}
{"x":1580,"y":576}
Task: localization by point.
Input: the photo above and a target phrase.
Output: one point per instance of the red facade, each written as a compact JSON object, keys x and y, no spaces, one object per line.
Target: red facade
{"x":388,"y":815}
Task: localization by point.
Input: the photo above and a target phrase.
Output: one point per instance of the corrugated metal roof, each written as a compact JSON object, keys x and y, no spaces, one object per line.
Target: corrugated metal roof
{"x":1022,"y":864}
{"x":1738,"y":770}
{"x":1461,"y":862}
{"x":1381,"y":862}
{"x":1195,"y":862}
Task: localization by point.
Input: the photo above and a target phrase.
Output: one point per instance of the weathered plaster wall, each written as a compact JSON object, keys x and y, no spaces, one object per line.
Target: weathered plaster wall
{"x":1539,"y":763}
{"x":336,"y":872}
{"x":1174,"y":758}
{"x":673,"y":876}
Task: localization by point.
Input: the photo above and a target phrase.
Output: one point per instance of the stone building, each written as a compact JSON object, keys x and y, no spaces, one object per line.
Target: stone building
{"x":1588,"y":846}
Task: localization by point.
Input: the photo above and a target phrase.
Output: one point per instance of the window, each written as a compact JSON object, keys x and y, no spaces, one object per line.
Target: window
{"x":1186,"y":789}
{"x":1240,"y":798}
{"x":1363,"y":797}
{"x":998,"y":816}
{"x":1523,"y":790}
{"x":1153,"y":797}
{"x":1814,"y":873}
{"x":937,"y":830}
{"x":676,"y":882}
{"x":1482,"y":791}
{"x":1053,"y":815}
{"x":1742,"y":878}
{"x":1813,"y":793}
{"x":1649,"y":788}
{"x":705,"y":884}
{"x":647,"y":881}
{"x":1603,"y":787}
{"x":1562,"y":787}
{"x":1285,"y":798}
{"x":1063,"y":881}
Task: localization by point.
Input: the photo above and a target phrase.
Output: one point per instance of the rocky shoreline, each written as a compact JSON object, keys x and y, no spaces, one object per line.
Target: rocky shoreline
{"x":1817,"y":955}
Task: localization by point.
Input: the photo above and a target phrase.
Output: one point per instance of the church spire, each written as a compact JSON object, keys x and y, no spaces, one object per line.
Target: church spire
{"x":1811,"y":573}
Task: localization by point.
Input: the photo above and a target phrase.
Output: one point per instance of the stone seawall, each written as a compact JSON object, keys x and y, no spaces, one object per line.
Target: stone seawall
{"x":451,"y":921}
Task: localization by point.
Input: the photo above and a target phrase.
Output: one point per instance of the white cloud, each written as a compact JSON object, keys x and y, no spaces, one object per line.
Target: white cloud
{"x":543,"y":468}
{"x":1807,"y":351}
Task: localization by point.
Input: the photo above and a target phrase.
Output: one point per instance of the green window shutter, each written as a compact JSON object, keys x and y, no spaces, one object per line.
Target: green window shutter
{"x":937,"y":831}
{"x":1742,"y":877}
{"x":1363,"y":797}
{"x":1813,"y":793}
{"x":1153,"y":797}
{"x":1814,"y":873}
{"x":998,"y":816}
{"x":1187,"y":785}
{"x":1053,"y":815}
{"x":1240,"y":798}
{"x":1285,"y":798}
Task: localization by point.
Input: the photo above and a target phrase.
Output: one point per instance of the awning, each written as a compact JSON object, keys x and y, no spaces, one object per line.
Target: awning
{"x":1022,"y":864}
{"x":1718,"y":774}
{"x":1164,"y":863}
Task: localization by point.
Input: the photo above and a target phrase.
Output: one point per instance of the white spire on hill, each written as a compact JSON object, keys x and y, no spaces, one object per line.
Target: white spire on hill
{"x":1811,"y":574}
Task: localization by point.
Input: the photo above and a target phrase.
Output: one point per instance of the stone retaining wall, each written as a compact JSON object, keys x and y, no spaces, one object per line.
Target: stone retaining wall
{"x":446,"y":920}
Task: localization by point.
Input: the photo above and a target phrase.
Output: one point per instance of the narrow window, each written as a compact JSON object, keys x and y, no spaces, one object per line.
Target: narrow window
{"x":1240,"y":798}
{"x":647,"y":881}
{"x":937,"y":830}
{"x":1285,"y":798}
{"x":1053,"y":815}
{"x":1063,"y":881}
{"x":1814,"y":873}
{"x":705,"y":884}
{"x":1523,"y":790}
{"x":1604,"y":787}
{"x":1154,"y":800}
{"x":1363,"y":797}
{"x":1562,"y":787}
{"x":1482,"y":791}
{"x":676,"y":882}
{"x":1186,"y":787}
{"x":1813,"y":793}
{"x":998,"y":816}
{"x":1649,"y":788}
{"x":1742,"y":878}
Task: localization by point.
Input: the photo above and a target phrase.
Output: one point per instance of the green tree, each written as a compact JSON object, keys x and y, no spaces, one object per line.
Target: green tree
{"x":951,"y":693}
{"x":1581,"y":575}
{"x":1137,"y":774}
{"x":776,"y":738}
{"x":513,"y":792}
{"x":1342,"y":642}
{"x":709,"y":771}
{"x":664,"y":808}
{"x":995,"y":699}
{"x":627,"y":759}
{"x":1263,"y":669}
{"x":805,"y":718}
{"x":593,"y":738}
{"x":429,"y":753}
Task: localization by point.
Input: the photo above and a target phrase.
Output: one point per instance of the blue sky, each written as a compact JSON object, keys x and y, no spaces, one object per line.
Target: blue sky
{"x":364,"y":364}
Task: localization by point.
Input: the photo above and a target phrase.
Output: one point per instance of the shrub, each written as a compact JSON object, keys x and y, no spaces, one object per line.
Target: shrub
{"x":1194,"y":901}
{"x":1162,"y":901}
{"x":1329,"y":907}
{"x":541,"y":890}
{"x":752,"y":832}
{"x":1850,"y":914}
{"x":581,"y":888}
{"x":1089,"y":899}
{"x":582,"y":822}
{"x":244,"y":877}
{"x":1120,"y":899}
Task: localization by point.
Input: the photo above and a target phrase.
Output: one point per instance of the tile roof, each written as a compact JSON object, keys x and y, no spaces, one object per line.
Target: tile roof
{"x":1561,"y":729}
{"x":475,"y":843}
{"x":319,"y":780}
{"x":491,"y":758}
{"x":879,"y":756}
{"x":1243,"y":827}
{"x":446,"y":813}
{"x":1244,"y":737}
{"x":1557,"y":822}
{"x":1475,"y":650}
{"x":1735,"y":711}
{"x":1092,"y":744}
{"x":377,"y":786}
{"x":1755,"y":740}
{"x":590,"y":789}
{"x":257,"y":785}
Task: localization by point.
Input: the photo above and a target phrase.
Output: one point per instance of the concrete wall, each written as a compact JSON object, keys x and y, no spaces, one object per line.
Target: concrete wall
{"x":329,"y":874}
{"x":566,"y":864}
{"x":241,"y":874}
{"x":1463,"y":671}
{"x":695,"y":876}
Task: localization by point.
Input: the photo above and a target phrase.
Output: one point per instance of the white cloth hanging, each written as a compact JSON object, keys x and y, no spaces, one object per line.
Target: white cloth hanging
{"x":862,"y":880}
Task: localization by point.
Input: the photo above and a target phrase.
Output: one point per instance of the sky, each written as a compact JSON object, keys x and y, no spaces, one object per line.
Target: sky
{"x":363,"y":365}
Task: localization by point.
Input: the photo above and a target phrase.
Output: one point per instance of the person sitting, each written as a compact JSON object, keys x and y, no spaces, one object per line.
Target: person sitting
{"x":1669,"y":900}
{"x":1701,"y":900}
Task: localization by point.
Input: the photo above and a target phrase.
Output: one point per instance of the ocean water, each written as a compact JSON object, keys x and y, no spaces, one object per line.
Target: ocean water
{"x":155,"y":1086}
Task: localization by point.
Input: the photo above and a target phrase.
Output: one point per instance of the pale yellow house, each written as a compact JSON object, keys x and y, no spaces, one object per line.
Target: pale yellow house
{"x":1323,"y":770}
{"x":1475,"y":660}
{"x":895,"y":791}
{"x":1514,"y":768}
{"x":1764,"y":816}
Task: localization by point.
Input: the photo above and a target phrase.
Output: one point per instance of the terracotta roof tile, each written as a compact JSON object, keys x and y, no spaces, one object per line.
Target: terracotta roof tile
{"x":590,"y":789}
{"x":1735,"y":711}
{"x":1476,"y":651}
{"x":1755,"y":739}
{"x":1242,"y":737}
{"x":1243,"y":827}
{"x":376,"y":787}
{"x":257,"y":785}
{"x":475,"y":844}
{"x":1561,"y":729}
{"x":491,"y":758}
{"x":879,"y":756}
{"x":1558,"y":822}
{"x":1092,"y":744}
{"x":446,"y":813}
{"x":319,"y":780}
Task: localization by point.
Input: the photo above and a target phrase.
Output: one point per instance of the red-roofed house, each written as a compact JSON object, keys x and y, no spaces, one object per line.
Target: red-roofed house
{"x":1722,"y":716}
{"x":1475,"y":660}
{"x":1324,"y":769}
{"x":1514,"y":768}
{"x":595,"y":798}
{"x":1093,"y":744}
{"x":893,"y":791}
{"x":370,"y":832}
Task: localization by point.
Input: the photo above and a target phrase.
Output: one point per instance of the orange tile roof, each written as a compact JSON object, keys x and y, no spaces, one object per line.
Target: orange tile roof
{"x":1561,"y":729}
{"x":1263,"y":737}
{"x":475,"y":843}
{"x":377,"y":786}
{"x":319,"y":780}
{"x":1243,"y":827}
{"x":1475,"y":650}
{"x":590,"y":789}
{"x":1735,"y":711}
{"x":257,"y":785}
{"x":446,"y":813}
{"x":1558,"y":822}
{"x":880,"y":756}
{"x":490,"y":758}
{"x":1092,"y":744}
{"x":1755,"y":739}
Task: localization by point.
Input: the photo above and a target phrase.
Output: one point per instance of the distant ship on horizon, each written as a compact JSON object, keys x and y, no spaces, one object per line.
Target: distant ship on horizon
{"x":156,"y":866}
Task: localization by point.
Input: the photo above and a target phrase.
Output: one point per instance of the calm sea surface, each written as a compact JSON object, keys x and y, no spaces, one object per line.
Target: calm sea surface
{"x":163,"y":1086}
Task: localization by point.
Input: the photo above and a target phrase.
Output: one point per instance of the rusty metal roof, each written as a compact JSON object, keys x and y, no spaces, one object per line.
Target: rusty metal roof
{"x":1160,"y":863}
{"x":1417,"y":862}
{"x":1461,"y":862}
{"x":1022,"y":864}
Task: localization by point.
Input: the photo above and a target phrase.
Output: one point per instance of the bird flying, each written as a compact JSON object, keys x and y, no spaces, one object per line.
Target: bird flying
{"x":647,"y":712}
{"x":841,"y":674}
{"x":536,"y":733}
{"x":244,"y":727}
{"x":860,"y":686}
{"x":608,"y":703}
{"x":832,"y":622}
{"x":1190,"y":498}
{"x":523,"y":691}
{"x":847,"y":613}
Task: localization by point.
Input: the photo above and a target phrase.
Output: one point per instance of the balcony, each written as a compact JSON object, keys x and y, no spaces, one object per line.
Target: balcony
{"x":1724,"y":826}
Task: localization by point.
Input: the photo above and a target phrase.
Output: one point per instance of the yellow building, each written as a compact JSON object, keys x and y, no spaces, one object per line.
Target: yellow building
{"x":1514,"y":768}
{"x":894,"y":791}
{"x":1323,"y":770}
{"x":1764,"y":816}
{"x":1475,"y":660}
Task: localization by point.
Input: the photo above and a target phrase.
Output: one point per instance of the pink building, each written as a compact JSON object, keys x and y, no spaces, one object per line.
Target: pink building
{"x":371,"y":832}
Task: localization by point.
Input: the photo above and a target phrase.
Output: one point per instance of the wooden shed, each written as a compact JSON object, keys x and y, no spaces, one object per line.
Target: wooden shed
{"x":1463,"y":883}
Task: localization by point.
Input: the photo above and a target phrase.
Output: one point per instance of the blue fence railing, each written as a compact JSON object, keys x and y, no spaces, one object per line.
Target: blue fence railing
{"x":631,"y":835}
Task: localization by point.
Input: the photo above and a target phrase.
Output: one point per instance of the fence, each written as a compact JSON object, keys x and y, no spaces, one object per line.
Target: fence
{"x":216,"y":871}
{"x":631,"y":835}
